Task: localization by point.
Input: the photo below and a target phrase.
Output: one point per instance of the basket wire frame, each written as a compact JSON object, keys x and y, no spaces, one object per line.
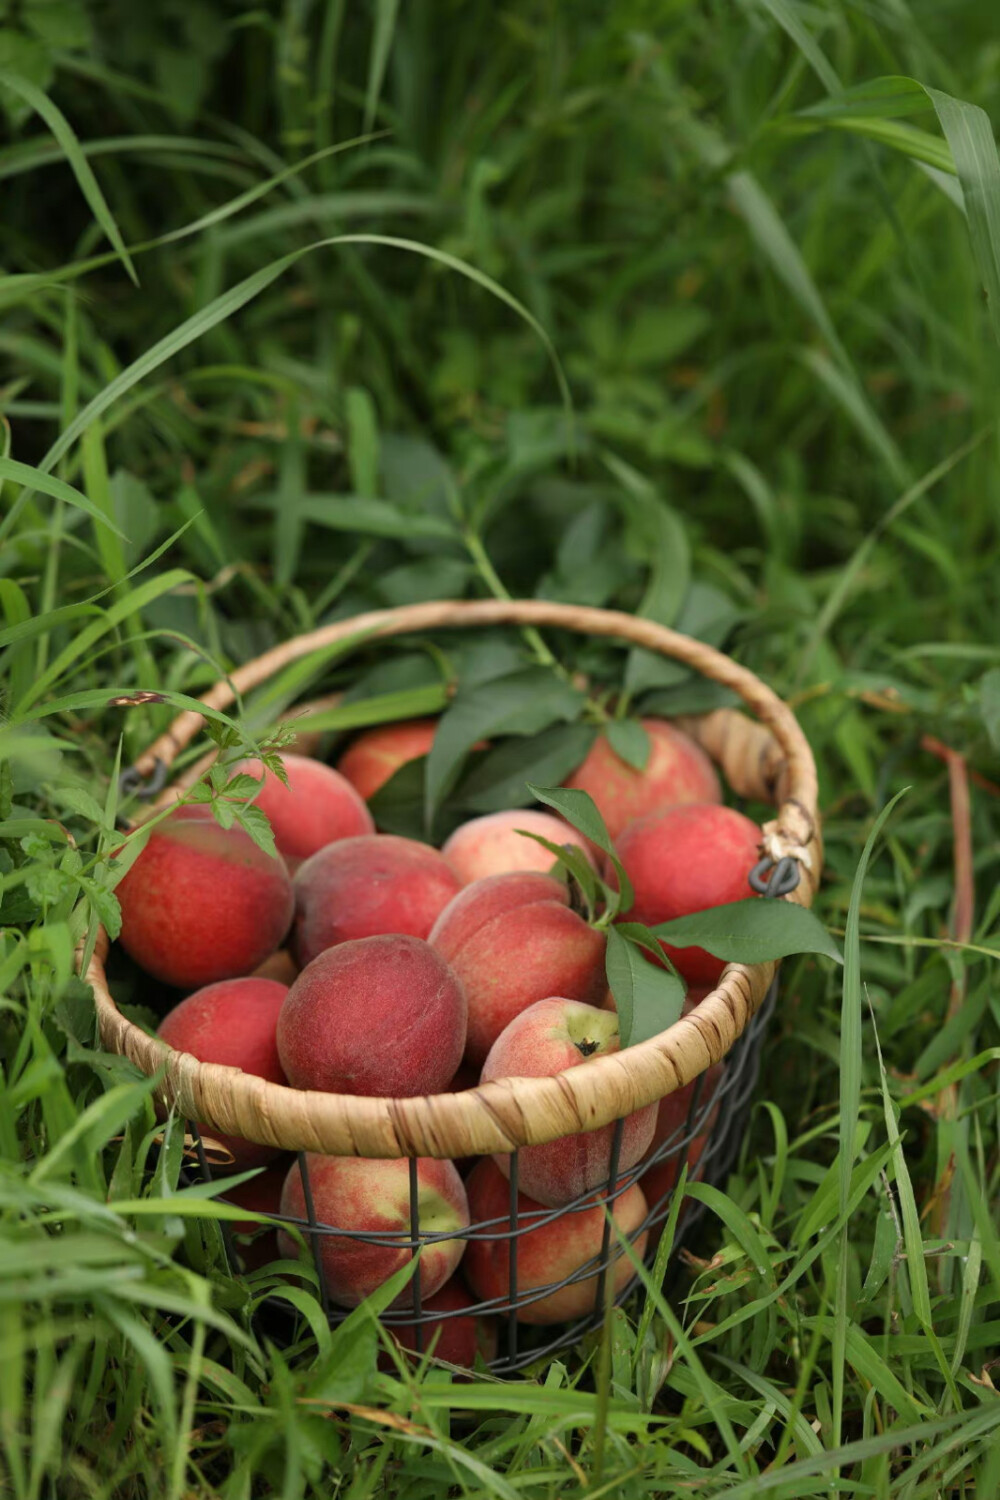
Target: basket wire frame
{"x":735,"y":1087}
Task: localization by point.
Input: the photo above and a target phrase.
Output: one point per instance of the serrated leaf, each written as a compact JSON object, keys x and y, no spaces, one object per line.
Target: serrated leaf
{"x":578,"y":808}
{"x":45,"y":886}
{"x":80,"y":801}
{"x":524,"y":702}
{"x":105,"y":904}
{"x":648,"y":999}
{"x":242,"y":785}
{"x":751,"y":931}
{"x":223,"y":812}
{"x":501,"y":779}
{"x":255,"y":822}
{"x":629,"y":741}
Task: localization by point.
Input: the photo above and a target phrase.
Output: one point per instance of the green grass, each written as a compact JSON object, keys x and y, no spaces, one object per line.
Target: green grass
{"x":332,"y":390}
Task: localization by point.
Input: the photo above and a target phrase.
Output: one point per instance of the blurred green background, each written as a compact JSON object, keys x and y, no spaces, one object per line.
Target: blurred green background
{"x":634,"y":305}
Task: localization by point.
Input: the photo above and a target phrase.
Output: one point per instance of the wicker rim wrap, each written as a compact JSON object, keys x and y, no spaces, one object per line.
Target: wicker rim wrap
{"x":769,"y":761}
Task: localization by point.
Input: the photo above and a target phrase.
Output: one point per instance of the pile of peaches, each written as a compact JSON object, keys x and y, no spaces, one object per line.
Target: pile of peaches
{"x":357,"y":962}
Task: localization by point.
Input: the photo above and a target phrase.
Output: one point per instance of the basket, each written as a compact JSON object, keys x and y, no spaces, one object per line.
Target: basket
{"x":766,"y":761}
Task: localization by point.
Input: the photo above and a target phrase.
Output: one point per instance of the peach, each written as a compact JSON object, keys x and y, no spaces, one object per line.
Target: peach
{"x":512,"y":940}
{"x":201,"y":902}
{"x":684,"y":860}
{"x":557,"y":1247}
{"x":368,"y":886}
{"x":492,"y":845}
{"x":550,"y":1037}
{"x":280,"y":966}
{"x":457,"y":1338}
{"x":377,"y":755}
{"x":232,"y":1023}
{"x":317,"y":807}
{"x":372,"y":1197}
{"x":378,"y":1015}
{"x":261,"y":1195}
{"x":677,"y":771}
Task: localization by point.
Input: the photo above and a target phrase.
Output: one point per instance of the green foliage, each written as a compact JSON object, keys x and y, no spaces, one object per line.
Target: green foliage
{"x":667,"y":306}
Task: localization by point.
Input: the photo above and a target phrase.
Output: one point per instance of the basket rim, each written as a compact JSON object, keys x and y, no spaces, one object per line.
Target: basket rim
{"x":505,"y":1114}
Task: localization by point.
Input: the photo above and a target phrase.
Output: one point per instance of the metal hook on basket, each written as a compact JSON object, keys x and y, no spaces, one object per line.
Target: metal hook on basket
{"x":132,"y":782}
{"x":769,"y":878}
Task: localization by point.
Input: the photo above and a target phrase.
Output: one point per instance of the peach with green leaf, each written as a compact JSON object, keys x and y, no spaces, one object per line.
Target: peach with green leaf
{"x":202,"y":902}
{"x":676,"y":771}
{"x":317,"y":807}
{"x":495,"y":845}
{"x":511,"y":940}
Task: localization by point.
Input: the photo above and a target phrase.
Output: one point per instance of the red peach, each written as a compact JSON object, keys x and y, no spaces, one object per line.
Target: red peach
{"x":677,"y":771}
{"x":492,"y":845}
{"x":553,"y":1249}
{"x":512,"y":940}
{"x":457,"y":1339}
{"x":377,"y":754}
{"x":366,"y":887}
{"x":684,"y":860}
{"x":201,"y":902}
{"x":261,"y":1195}
{"x":317,"y":807}
{"x":232,"y":1023}
{"x":550,"y":1037}
{"x":379,"y":1015}
{"x":372,"y":1197}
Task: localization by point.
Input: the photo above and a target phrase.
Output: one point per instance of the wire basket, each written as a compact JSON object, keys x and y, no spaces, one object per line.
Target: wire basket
{"x":768,"y":761}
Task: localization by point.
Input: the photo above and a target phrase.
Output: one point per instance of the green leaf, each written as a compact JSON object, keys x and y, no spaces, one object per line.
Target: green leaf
{"x":362,"y":440}
{"x":850,"y":1018}
{"x":87,"y":182}
{"x":360,"y":514}
{"x":578,"y":808}
{"x":500,"y":779}
{"x":629,"y":741}
{"x":660,"y":534}
{"x":378,"y":58}
{"x":24,"y":474}
{"x":571,"y":858}
{"x":386,"y":708}
{"x":255,"y":822}
{"x":751,"y":931}
{"x":989,"y":704}
{"x":105,"y":904}
{"x":973,"y":150}
{"x":79,"y":801}
{"x":524,"y":703}
{"x":648,"y":999}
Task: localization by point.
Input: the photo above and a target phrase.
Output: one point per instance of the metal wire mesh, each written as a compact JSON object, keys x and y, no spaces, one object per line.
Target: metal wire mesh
{"x":726,"y":1103}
